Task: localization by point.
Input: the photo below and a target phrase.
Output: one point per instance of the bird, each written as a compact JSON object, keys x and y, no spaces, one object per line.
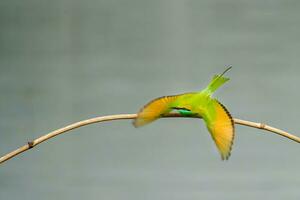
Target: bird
{"x":215,"y":115}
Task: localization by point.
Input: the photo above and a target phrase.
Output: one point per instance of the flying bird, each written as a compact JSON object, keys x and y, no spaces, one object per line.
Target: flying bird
{"x":201,"y":104}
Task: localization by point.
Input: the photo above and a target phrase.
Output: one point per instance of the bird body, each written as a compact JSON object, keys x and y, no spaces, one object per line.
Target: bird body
{"x":200,"y":104}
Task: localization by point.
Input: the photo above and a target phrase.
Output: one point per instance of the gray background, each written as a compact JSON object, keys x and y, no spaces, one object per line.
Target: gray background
{"x":63,"y":61}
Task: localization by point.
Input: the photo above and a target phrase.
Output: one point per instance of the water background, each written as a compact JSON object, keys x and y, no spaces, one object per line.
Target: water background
{"x":62,"y":61}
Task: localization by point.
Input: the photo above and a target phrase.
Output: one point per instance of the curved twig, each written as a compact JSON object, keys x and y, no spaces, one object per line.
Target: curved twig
{"x":43,"y":138}
{"x":267,"y":128}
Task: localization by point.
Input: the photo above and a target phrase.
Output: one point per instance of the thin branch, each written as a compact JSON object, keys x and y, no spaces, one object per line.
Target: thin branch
{"x":267,"y":128}
{"x":43,"y":138}
{"x":52,"y":134}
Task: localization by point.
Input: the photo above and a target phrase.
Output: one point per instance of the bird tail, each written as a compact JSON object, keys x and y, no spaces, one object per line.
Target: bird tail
{"x":216,"y":82}
{"x":153,"y":110}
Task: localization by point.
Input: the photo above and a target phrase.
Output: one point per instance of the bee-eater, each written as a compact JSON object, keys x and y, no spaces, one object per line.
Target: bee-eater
{"x":199,"y":104}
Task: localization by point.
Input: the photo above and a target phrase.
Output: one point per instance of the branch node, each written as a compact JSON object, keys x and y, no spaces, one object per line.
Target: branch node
{"x":262,"y":125}
{"x":30,"y":144}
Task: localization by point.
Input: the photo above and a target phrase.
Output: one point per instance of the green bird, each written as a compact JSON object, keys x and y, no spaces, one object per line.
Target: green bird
{"x":199,"y":104}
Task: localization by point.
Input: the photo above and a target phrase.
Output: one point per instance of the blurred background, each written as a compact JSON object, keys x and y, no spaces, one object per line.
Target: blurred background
{"x":62,"y":61}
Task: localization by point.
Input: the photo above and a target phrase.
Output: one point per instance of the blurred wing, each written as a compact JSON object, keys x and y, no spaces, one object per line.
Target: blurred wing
{"x":153,"y":110}
{"x":222,"y":130}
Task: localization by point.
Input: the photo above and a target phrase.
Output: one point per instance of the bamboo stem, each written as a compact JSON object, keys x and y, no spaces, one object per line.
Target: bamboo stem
{"x":70,"y":127}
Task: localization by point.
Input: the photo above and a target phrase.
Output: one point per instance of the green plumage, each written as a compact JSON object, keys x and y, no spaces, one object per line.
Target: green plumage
{"x":200,"y":103}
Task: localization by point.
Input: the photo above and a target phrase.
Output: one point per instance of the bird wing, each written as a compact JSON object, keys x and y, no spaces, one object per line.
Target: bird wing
{"x":154,"y":110}
{"x":221,"y":126}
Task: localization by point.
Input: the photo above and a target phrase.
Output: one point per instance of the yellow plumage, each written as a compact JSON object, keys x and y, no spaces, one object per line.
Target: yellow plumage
{"x":153,"y":110}
{"x":221,"y":129}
